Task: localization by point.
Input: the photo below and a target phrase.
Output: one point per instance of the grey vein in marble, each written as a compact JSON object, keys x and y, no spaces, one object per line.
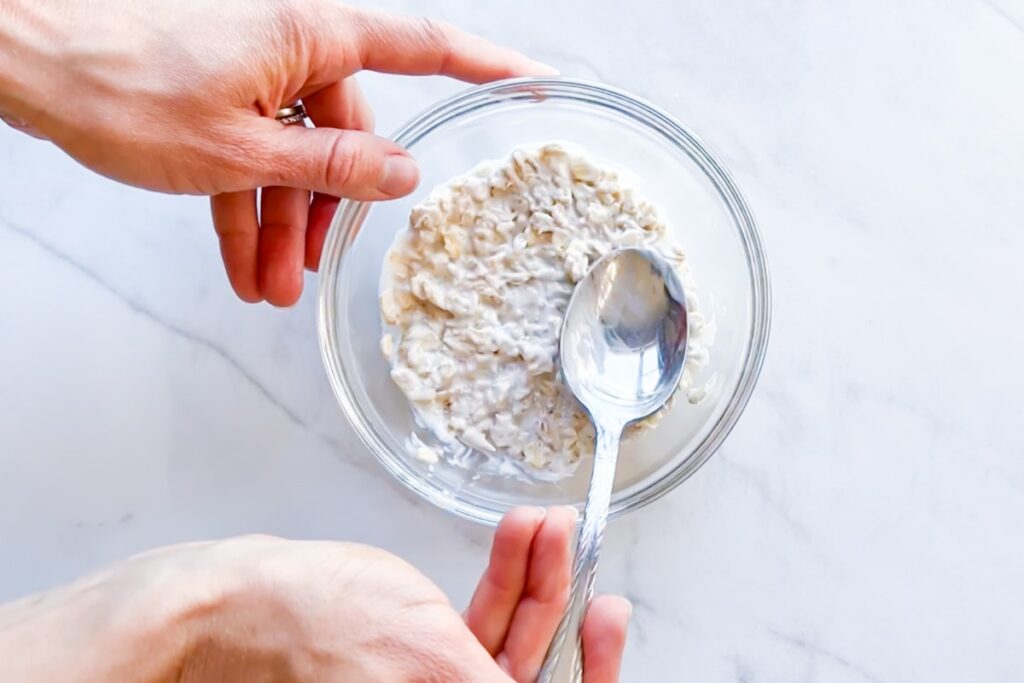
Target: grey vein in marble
{"x":202,"y":342}
{"x":813,"y":650}
{"x":998,"y":9}
{"x":798,"y":530}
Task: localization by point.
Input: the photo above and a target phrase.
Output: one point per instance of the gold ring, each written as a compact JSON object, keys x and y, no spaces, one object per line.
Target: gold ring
{"x":290,"y":115}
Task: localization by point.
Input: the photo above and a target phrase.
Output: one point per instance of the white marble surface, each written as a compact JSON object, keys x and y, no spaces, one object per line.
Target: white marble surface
{"x":865,"y":521}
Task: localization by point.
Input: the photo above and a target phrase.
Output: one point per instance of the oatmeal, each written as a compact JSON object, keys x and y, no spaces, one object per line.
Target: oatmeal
{"x":476,"y":289}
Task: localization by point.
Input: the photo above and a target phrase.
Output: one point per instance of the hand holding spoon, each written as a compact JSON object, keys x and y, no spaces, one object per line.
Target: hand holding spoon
{"x":622,"y":352}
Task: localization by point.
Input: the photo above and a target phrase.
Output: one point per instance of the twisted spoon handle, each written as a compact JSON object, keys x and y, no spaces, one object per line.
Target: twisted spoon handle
{"x":588,"y":548}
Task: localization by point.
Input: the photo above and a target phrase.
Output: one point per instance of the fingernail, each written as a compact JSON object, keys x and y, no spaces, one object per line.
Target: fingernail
{"x":400,"y":176}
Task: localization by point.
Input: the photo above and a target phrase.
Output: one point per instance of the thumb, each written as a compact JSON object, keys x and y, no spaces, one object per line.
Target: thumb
{"x":340,"y":163}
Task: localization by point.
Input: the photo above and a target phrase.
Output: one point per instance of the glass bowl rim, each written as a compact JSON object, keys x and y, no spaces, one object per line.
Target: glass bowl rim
{"x":350,"y":214}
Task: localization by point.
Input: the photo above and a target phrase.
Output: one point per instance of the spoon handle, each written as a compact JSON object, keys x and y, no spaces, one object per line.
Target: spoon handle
{"x":588,"y":548}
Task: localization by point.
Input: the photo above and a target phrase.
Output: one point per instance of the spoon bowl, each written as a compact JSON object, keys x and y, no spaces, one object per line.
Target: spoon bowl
{"x":623,"y":341}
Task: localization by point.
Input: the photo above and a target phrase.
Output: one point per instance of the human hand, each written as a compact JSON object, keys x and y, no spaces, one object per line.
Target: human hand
{"x":262,"y":609}
{"x":180,"y":97}
{"x":523,"y":593}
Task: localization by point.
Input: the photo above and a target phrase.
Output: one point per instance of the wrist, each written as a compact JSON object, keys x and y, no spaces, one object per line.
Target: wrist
{"x":128,"y":624}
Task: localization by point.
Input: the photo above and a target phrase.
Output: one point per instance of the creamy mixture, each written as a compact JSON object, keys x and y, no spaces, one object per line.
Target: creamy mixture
{"x":476,"y":290}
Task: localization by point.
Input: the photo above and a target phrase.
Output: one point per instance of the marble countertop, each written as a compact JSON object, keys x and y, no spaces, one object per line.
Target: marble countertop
{"x":865,"y":520}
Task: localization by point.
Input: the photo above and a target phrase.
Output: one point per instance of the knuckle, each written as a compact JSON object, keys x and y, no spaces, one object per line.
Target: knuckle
{"x":433,"y":30}
{"x":341,"y":163}
{"x":283,"y":226}
{"x":436,"y":33}
{"x":286,"y":13}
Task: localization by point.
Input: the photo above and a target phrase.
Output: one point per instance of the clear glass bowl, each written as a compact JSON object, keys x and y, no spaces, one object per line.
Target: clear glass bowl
{"x":674,"y":170}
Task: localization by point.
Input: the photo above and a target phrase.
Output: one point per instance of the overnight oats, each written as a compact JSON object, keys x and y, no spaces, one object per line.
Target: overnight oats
{"x":475,"y":291}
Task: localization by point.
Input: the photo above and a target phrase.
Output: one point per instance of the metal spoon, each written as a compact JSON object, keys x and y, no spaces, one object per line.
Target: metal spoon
{"x":622,"y":352}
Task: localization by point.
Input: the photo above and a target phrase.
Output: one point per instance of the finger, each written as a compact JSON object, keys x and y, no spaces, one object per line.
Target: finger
{"x":341,"y":163}
{"x":321,"y":213}
{"x":495,"y":600}
{"x":604,"y":638}
{"x":235,"y":220}
{"x":283,"y":215}
{"x":544,"y":598}
{"x":414,"y":45}
{"x":340,"y":105}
